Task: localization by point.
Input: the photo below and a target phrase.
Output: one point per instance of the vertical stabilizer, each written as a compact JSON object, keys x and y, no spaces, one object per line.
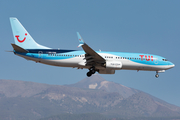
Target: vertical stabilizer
{"x":22,"y":38}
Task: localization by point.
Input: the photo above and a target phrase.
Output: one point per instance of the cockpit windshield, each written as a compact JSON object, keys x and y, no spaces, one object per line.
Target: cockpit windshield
{"x":164,"y":60}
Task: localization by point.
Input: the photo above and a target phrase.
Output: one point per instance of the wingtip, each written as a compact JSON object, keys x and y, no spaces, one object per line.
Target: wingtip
{"x":12,"y":18}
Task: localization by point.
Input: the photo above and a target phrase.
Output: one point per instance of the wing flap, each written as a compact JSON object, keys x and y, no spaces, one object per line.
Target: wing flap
{"x":90,"y":52}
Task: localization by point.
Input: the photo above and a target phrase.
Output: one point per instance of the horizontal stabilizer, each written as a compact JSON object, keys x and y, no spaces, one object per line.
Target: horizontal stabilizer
{"x":19,"y":49}
{"x":9,"y":51}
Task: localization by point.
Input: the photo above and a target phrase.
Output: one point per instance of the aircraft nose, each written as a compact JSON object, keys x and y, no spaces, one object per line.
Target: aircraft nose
{"x":171,"y":65}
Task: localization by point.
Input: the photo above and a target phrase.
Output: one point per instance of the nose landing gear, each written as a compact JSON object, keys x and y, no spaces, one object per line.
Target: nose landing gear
{"x":157,"y":75}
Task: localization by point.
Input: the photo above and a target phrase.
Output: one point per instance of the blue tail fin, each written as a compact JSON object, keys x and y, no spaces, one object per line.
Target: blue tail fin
{"x":22,"y":38}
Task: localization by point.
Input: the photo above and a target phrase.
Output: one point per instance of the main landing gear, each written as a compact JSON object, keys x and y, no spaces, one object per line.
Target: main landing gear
{"x":157,"y":75}
{"x":92,"y":70}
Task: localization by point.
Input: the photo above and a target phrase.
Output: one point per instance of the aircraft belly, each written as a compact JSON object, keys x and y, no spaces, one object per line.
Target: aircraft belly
{"x":64,"y":63}
{"x":72,"y":62}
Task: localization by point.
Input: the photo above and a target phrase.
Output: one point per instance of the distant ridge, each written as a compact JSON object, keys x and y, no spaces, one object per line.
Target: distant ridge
{"x":28,"y":100}
{"x":97,"y":82}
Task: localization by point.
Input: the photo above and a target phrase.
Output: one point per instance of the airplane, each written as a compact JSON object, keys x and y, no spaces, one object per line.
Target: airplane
{"x":96,"y":61}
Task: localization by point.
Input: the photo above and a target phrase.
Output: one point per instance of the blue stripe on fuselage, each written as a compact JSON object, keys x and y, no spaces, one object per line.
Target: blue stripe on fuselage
{"x":47,"y":51}
{"x":53,"y":54}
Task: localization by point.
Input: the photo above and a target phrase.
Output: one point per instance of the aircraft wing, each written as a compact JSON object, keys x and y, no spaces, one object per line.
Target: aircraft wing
{"x":92,"y":57}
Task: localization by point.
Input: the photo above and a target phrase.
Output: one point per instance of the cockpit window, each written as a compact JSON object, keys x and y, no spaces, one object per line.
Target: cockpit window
{"x":164,"y":59}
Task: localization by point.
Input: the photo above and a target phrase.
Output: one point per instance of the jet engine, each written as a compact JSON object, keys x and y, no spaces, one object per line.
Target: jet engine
{"x":106,"y":71}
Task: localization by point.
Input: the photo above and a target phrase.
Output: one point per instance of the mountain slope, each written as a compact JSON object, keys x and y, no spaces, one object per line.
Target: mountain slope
{"x":21,"y":100}
{"x":97,"y":82}
{"x":132,"y":98}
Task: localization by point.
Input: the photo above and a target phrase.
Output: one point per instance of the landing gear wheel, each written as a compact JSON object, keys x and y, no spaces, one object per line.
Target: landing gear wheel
{"x":92,"y":71}
{"x":89,"y":74}
{"x":156,"y":75}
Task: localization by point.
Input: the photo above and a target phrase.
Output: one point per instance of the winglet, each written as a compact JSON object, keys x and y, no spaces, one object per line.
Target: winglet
{"x":81,"y":41}
{"x":89,"y":51}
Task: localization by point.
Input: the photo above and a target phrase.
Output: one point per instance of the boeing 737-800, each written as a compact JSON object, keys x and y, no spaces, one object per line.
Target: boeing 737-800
{"x":96,"y":61}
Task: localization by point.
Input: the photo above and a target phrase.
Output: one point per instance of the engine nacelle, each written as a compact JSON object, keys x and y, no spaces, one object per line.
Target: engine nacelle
{"x":106,"y":71}
{"x":113,"y":64}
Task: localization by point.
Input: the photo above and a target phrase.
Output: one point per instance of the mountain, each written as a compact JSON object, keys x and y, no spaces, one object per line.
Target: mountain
{"x":97,"y":82}
{"x":21,"y":100}
{"x":134,"y":102}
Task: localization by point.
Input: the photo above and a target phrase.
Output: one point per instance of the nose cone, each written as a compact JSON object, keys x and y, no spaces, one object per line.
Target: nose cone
{"x":171,"y":65}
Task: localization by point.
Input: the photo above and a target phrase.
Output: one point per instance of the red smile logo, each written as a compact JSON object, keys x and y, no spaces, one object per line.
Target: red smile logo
{"x":17,"y":36}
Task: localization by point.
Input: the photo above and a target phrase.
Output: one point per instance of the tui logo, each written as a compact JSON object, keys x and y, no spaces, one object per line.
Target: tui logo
{"x":21,"y":41}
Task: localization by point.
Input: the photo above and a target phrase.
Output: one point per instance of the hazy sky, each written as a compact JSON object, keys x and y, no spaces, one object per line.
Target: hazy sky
{"x":110,"y":25}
